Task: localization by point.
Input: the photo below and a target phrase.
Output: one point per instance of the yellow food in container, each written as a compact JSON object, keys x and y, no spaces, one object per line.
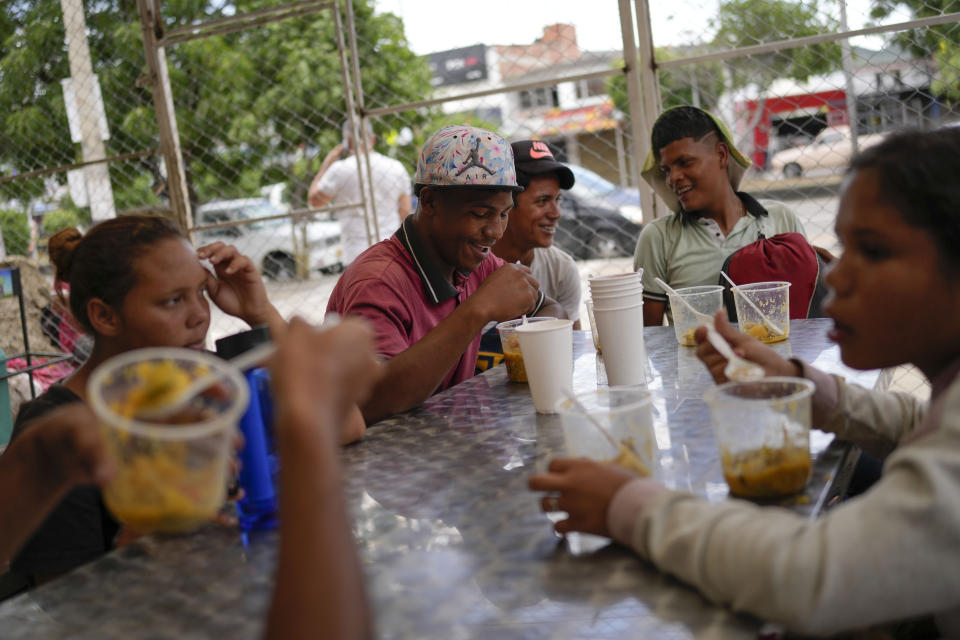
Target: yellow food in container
{"x":628,"y":458}
{"x":767,"y":472}
{"x":171,"y":472}
{"x":762,"y":332}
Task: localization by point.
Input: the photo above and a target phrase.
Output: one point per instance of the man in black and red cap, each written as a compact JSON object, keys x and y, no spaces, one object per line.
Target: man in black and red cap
{"x":533,"y":223}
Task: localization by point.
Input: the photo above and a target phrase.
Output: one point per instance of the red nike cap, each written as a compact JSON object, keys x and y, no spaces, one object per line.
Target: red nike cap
{"x":533,"y":158}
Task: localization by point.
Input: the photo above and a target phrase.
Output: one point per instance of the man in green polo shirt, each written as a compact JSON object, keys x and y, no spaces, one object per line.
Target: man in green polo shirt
{"x":695,"y":168}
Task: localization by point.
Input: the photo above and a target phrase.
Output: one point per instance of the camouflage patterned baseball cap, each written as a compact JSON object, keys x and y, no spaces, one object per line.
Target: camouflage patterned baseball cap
{"x":465,"y":157}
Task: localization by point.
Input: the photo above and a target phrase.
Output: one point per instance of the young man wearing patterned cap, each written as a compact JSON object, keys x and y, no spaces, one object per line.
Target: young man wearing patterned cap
{"x":695,"y":168}
{"x":431,"y":287}
{"x":533,"y":223}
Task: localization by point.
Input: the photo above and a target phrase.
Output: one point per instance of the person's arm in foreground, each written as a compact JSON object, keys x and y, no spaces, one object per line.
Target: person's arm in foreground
{"x":814,"y":576}
{"x":318,"y":377}
{"x":873,"y":420}
{"x":58,"y":451}
{"x":412,"y":375}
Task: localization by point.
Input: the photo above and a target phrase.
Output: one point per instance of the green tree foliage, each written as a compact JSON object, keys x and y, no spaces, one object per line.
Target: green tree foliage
{"x":63,"y":218}
{"x":939,"y":40}
{"x":16,"y":232}
{"x":942,"y":42}
{"x":248,"y":104}
{"x":699,"y":84}
{"x":742,"y":23}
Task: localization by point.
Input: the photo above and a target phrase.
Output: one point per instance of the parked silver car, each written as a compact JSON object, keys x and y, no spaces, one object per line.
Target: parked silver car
{"x":270,"y":243}
{"x":830,"y":149}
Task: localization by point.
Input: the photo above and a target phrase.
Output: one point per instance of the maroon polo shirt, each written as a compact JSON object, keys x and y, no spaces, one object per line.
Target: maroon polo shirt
{"x":397,"y":287}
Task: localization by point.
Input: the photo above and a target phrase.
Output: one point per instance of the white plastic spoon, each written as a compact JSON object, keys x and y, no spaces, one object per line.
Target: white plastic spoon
{"x":186,"y":395}
{"x":619,"y":446}
{"x":767,"y":321}
{"x":738,"y":369}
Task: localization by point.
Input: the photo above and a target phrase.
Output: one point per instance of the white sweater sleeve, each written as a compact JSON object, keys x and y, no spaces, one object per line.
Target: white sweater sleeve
{"x":889,"y":554}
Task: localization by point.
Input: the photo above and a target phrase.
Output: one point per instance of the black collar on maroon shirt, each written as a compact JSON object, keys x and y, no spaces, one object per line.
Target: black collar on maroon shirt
{"x":435,"y":284}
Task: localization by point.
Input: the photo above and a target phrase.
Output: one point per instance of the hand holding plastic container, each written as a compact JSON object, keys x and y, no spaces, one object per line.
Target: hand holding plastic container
{"x":171,"y":473}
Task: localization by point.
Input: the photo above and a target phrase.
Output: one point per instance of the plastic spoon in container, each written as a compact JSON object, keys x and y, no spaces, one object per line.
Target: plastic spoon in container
{"x":626,"y":455}
{"x":738,"y":369}
{"x":186,"y":395}
{"x":767,"y":321}
{"x":703,"y":317}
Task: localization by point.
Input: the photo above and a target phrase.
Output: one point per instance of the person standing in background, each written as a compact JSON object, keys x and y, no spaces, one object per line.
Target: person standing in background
{"x":338,"y":182}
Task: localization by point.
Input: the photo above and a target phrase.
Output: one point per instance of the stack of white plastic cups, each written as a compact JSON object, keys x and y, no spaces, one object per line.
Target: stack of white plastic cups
{"x":618,"y":310}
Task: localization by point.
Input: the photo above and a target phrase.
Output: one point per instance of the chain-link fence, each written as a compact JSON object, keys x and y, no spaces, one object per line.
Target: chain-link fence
{"x":272,"y":104}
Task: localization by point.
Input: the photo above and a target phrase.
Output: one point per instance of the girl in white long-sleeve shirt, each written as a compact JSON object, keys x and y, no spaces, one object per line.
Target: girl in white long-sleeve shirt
{"x":894,"y":552}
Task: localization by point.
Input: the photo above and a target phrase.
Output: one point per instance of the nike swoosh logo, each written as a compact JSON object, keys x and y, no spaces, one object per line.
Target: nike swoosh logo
{"x":536,"y":155}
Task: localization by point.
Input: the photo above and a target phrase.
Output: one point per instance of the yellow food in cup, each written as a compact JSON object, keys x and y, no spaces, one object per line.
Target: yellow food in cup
{"x":628,"y":459}
{"x":161,"y":381}
{"x":515,"y":369}
{"x":761,"y":332}
{"x":159,"y":493}
{"x":513,"y":358}
{"x":686,"y":339}
{"x":767,"y":472}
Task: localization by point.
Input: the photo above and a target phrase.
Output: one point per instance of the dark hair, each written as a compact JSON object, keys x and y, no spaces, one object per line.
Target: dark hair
{"x":524,"y":178}
{"x":917,"y":173}
{"x":678,"y":123}
{"x":100,"y":263}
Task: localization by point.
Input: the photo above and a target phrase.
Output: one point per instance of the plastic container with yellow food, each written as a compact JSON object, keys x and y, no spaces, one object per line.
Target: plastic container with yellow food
{"x":773,"y":299}
{"x":512,"y":355}
{"x":763,"y":434}
{"x":171,"y":474}
{"x":627,"y":415}
{"x":705,"y":299}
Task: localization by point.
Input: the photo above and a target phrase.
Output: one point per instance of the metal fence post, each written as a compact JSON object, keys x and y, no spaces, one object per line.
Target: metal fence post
{"x":352,"y":119}
{"x":640,"y":117}
{"x":6,"y":416}
{"x":89,"y":107}
{"x":152,"y":27}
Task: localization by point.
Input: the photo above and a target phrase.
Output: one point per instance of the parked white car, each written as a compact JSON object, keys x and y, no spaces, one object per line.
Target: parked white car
{"x":270,"y":243}
{"x":830,"y":149}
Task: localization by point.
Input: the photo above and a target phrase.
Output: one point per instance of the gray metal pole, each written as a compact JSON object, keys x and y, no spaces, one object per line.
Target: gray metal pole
{"x":847,"y":59}
{"x":641,"y":116}
{"x":152,"y":28}
{"x":367,"y":143}
{"x":351,"y":110}
{"x":89,"y":104}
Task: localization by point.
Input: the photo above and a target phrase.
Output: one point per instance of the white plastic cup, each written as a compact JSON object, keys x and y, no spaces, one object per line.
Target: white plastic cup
{"x":624,"y":353}
{"x":620,"y":288}
{"x":548,"y":358}
{"x":618,"y":300}
{"x":617,"y":277}
{"x":511,"y":347}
